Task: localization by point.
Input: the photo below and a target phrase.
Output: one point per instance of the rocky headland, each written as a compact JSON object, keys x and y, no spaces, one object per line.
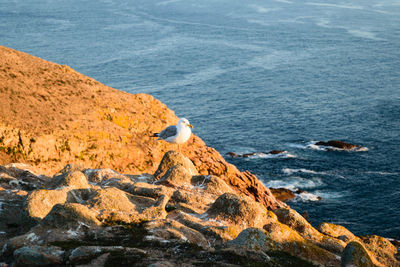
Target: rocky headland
{"x":82,"y":183}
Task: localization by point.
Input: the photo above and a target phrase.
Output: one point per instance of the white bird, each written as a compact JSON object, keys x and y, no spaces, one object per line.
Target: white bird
{"x":176,"y":134}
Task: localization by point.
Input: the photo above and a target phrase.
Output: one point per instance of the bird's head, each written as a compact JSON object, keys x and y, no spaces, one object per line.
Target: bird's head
{"x":185,"y":122}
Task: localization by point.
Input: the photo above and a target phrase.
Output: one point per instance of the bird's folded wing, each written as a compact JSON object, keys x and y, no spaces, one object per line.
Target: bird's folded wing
{"x":168,"y":132}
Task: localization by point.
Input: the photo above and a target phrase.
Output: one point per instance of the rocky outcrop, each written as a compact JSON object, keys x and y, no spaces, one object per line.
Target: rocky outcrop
{"x":100,"y":217}
{"x":51,"y":116}
{"x":338,"y":144}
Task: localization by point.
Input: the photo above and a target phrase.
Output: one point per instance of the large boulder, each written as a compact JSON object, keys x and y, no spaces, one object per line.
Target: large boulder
{"x":74,"y":179}
{"x":239,"y":210}
{"x":356,"y":255}
{"x":277,"y":237}
{"x":171,"y":159}
{"x":40,"y":202}
{"x":383,"y":251}
{"x":70,"y":215}
{"x":297,"y":222}
{"x":176,"y":176}
{"x":336,"y":231}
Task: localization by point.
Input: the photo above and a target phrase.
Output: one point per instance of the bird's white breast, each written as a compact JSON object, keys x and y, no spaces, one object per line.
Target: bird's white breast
{"x":183,"y":135}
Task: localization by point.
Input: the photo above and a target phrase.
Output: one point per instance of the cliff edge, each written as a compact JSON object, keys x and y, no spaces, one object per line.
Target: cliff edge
{"x":51,"y":115}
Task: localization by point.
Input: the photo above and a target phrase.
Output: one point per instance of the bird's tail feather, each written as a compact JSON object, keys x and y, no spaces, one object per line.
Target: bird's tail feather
{"x":156,"y":135}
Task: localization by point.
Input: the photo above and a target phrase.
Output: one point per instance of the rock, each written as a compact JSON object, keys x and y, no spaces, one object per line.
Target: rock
{"x":241,"y":211}
{"x":171,"y":159}
{"x":100,"y":175}
{"x":279,"y":237}
{"x":128,"y":220}
{"x":338,"y":144}
{"x":253,"y":239}
{"x":382,"y":249}
{"x":233,"y":154}
{"x":176,"y":176}
{"x":75,"y":179}
{"x":211,"y":184}
{"x":282,"y":194}
{"x":275,"y":152}
{"x":297,"y":222}
{"x":40,"y":202}
{"x":85,"y":253}
{"x":14,"y":219}
{"x":336,"y":231}
{"x":173,"y":230}
{"x":113,"y":204}
{"x":70,"y":215}
{"x":39,"y":256}
{"x":356,"y":255}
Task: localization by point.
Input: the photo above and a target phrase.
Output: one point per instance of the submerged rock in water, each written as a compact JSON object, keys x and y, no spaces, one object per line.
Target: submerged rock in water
{"x":338,"y":144}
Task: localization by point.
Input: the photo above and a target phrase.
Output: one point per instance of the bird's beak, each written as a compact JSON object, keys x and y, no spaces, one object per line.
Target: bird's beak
{"x":191,"y":126}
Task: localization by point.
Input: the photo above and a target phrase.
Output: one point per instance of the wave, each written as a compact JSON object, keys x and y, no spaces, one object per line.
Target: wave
{"x":295,"y":183}
{"x":261,"y":155}
{"x":289,"y":171}
{"x":306,"y":196}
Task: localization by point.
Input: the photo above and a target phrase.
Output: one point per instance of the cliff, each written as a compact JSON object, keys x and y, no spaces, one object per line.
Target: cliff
{"x":51,"y":115}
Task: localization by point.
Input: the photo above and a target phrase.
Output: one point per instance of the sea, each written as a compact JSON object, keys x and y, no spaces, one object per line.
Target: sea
{"x":253,"y":76}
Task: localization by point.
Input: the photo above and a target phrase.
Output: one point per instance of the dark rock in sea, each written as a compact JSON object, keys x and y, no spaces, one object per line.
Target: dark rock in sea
{"x":233,"y":154}
{"x":338,"y":144}
{"x":283,"y":194}
{"x":274,"y":152}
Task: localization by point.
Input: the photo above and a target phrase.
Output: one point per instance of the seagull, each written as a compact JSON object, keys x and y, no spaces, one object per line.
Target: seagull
{"x":176,"y":134}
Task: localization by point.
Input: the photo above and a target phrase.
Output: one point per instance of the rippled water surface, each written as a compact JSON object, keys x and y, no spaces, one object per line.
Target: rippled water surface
{"x":253,"y":76}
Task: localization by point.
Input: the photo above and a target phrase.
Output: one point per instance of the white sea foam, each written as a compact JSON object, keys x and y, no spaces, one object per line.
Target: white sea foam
{"x":330,"y":195}
{"x":294,"y":183}
{"x":289,"y":171}
{"x":306,"y":196}
{"x":261,"y":155}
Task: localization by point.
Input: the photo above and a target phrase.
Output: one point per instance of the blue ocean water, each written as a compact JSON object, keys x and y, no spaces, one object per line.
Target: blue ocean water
{"x":252,"y":76}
